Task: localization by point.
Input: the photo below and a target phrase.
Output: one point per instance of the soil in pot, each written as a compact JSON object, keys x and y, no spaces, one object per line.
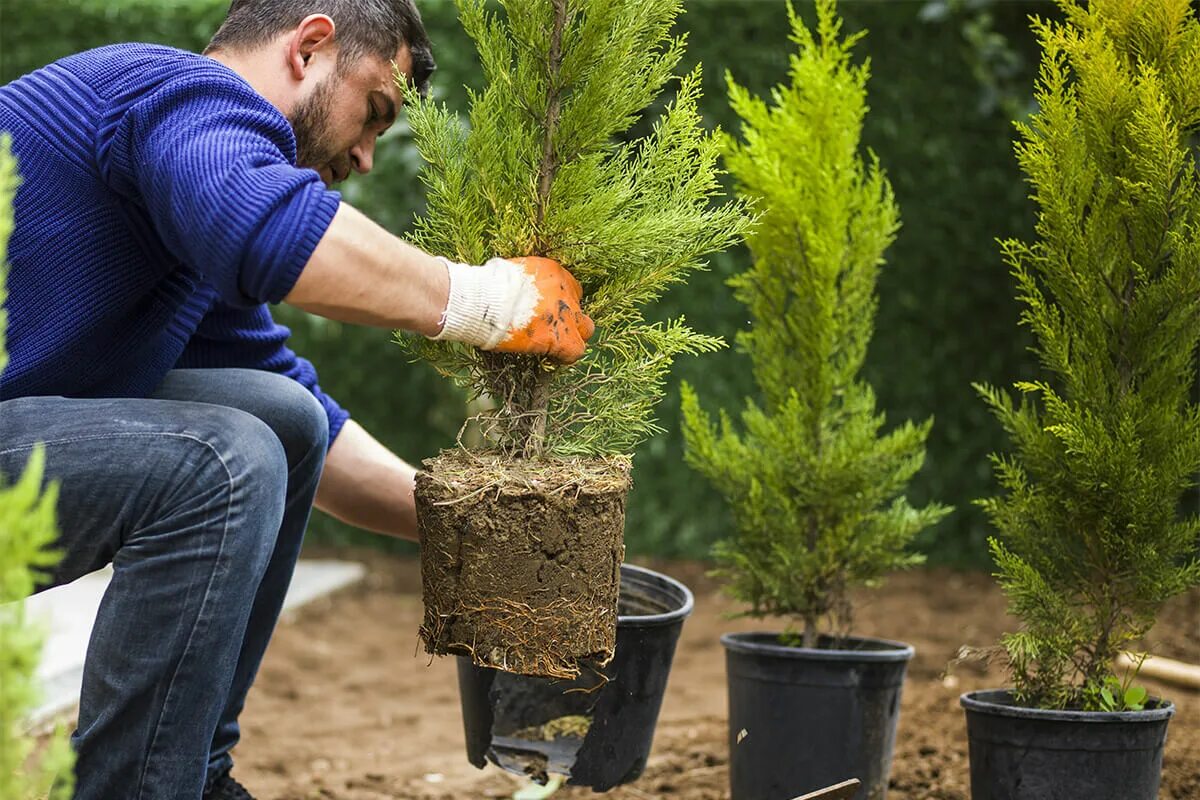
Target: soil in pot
{"x":598,"y":729}
{"x":1020,"y":753}
{"x":801,"y":719}
{"x":520,"y":560}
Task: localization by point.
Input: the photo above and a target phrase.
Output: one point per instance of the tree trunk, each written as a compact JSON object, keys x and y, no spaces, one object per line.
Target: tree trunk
{"x":810,"y":631}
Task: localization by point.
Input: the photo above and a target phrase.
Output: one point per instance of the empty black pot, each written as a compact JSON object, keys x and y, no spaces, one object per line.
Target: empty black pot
{"x":1020,"y":753}
{"x":803,"y":718}
{"x":596,"y":730}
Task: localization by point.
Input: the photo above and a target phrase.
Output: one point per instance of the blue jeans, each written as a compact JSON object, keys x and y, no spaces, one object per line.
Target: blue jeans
{"x":199,"y":496}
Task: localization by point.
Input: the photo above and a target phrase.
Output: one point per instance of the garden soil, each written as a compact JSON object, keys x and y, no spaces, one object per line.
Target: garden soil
{"x":348,"y":708}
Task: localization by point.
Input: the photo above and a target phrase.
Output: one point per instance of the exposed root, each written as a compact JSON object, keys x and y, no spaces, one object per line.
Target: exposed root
{"x":601,"y":682}
{"x":978,"y":658}
{"x":540,"y":640}
{"x":469,"y":475}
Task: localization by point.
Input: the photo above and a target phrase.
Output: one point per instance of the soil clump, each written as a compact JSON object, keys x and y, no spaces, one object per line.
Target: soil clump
{"x":521,"y":560}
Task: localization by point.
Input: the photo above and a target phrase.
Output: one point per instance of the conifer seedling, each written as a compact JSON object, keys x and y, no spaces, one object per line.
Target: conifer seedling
{"x":27,"y":529}
{"x":522,"y":533}
{"x":816,"y":490}
{"x":1092,"y":537}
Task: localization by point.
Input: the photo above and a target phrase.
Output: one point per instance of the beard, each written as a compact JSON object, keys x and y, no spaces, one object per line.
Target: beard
{"x":310,"y":124}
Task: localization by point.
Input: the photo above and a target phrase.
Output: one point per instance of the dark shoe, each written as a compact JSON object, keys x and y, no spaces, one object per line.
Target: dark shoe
{"x":226,"y":788}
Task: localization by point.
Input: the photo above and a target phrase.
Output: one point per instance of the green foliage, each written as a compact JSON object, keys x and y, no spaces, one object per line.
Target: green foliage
{"x":1106,"y":445}
{"x":34,"y":34}
{"x":538,"y":173}
{"x":938,"y":120}
{"x":1115,"y":695}
{"x":995,"y":63}
{"x":816,"y":489}
{"x":27,"y":528}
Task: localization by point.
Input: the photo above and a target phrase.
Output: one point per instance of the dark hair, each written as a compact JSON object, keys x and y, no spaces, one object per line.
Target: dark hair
{"x":364,"y":27}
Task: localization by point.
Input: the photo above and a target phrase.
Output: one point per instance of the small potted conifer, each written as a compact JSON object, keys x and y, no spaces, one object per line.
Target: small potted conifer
{"x":26,"y":530}
{"x":522,"y":536}
{"x":815,"y":488}
{"x":1093,"y":539}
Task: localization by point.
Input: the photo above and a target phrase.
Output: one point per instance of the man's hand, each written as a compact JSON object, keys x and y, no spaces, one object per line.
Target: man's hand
{"x":523,"y":305}
{"x":362,"y":274}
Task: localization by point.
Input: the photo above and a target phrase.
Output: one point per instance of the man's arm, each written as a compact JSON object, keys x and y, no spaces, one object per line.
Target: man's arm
{"x":365,"y":485}
{"x":362,"y":274}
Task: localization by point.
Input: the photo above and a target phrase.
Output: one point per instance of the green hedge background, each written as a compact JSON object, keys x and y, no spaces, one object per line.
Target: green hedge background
{"x":948,"y":76}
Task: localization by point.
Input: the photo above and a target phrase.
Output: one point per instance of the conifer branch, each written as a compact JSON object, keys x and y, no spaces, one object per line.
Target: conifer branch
{"x":554,"y":89}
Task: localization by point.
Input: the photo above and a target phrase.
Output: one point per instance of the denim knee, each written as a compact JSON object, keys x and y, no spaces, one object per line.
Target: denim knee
{"x":252,"y":451}
{"x":248,"y":455}
{"x":297,"y":417}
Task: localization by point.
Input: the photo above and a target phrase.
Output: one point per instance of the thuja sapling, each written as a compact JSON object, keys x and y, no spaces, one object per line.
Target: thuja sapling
{"x":816,"y":487}
{"x":816,"y":490}
{"x":27,"y":529}
{"x":1093,"y":535}
{"x":522,"y":534}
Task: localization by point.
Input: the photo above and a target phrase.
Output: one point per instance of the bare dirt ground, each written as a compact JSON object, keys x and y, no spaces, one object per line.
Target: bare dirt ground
{"x":347,"y":709}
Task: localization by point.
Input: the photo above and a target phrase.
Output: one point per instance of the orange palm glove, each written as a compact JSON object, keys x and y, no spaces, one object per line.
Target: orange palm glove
{"x":523,"y":305}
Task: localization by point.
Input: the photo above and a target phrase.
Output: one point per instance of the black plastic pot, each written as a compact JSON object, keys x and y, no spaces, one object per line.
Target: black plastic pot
{"x":1022,"y":753}
{"x":620,"y":702}
{"x":802,"y":718}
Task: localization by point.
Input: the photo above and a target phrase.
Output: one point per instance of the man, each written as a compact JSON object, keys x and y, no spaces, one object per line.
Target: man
{"x":167,"y":197}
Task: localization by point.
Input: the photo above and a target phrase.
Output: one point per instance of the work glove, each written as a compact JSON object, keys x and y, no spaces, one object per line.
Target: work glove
{"x":522,"y":305}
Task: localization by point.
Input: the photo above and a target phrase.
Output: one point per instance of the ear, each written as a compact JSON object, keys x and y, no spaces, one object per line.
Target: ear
{"x":314,"y":33}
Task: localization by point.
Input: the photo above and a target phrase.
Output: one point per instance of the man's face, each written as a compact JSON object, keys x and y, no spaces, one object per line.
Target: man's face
{"x":338,"y":121}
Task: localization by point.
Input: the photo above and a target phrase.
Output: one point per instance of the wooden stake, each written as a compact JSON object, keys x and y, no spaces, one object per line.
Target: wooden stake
{"x":1166,"y":670}
{"x":842,"y":791}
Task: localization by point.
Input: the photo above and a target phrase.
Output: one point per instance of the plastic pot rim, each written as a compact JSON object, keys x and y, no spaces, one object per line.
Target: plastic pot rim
{"x":892,"y":651}
{"x":993,"y":702}
{"x":677,"y":615}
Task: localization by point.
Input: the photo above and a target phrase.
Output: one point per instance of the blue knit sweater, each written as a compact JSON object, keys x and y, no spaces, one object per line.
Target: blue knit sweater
{"x":160,"y":210}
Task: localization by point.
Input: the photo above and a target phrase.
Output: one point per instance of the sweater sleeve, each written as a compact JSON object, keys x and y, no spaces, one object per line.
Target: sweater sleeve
{"x":249,"y":338}
{"x":212,"y":163}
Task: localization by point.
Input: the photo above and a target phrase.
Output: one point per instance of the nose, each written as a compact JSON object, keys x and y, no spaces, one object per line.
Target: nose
{"x":362,"y":155}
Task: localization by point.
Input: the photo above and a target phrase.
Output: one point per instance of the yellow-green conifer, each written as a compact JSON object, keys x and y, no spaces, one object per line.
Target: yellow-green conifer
{"x":816,"y":489}
{"x":1092,"y":537}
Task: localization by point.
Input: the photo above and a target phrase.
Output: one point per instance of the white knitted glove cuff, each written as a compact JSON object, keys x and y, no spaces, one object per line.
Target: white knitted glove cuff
{"x":486,"y":303}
